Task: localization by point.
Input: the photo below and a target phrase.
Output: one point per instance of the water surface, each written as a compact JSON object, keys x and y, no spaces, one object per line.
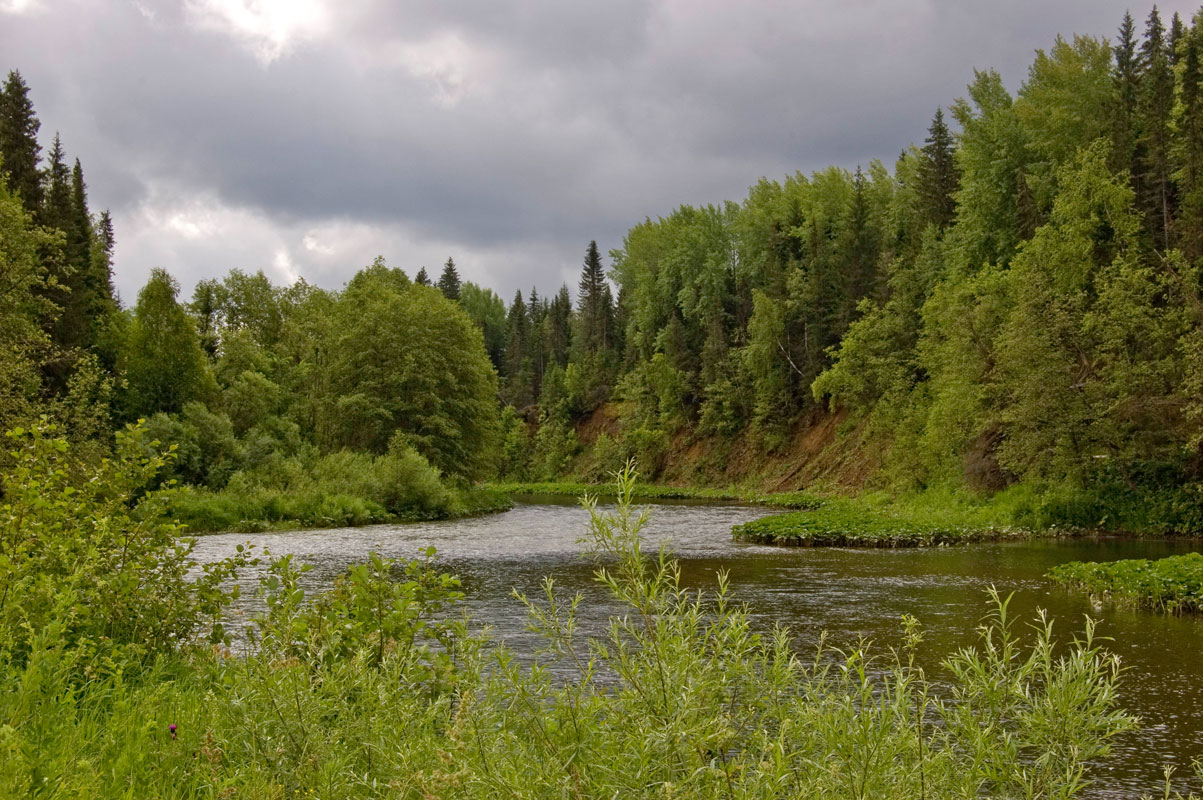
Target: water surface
{"x":846,"y":592}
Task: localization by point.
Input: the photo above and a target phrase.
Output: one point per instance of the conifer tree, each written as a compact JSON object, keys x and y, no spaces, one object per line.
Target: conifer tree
{"x":938,"y":180}
{"x":517,"y":362}
{"x":557,"y":326}
{"x":422,"y":279}
{"x":449,"y":282}
{"x":19,"y":149}
{"x":1154,"y":185}
{"x":1127,"y":90}
{"x":1188,"y":225}
{"x":594,"y":303}
{"x":1177,"y":35}
{"x":56,"y":208}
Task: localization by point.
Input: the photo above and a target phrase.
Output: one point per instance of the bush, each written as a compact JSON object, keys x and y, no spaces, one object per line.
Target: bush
{"x":94,"y":561}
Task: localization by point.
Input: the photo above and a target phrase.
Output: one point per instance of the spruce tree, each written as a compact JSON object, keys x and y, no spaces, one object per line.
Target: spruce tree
{"x":56,"y":208}
{"x":517,"y":386}
{"x":1154,"y":184}
{"x":938,"y":180}
{"x":594,"y":302}
{"x":422,"y":279}
{"x":1177,"y":35}
{"x":1188,"y":225}
{"x":557,"y":326}
{"x":1127,"y":90}
{"x":19,"y":149}
{"x":449,"y":281}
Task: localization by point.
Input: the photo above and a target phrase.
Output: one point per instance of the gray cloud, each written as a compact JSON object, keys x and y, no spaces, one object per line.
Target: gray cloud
{"x":504,"y":132}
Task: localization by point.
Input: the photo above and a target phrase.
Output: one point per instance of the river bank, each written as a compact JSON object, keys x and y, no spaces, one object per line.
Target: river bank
{"x":834,"y":595}
{"x":203,"y":511}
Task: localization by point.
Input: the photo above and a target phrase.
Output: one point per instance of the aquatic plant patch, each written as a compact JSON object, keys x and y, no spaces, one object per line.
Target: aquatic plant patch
{"x":1173,"y":584}
{"x":851,"y":523}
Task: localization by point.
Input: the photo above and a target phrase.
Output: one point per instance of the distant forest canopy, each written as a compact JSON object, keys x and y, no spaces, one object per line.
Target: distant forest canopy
{"x":1020,"y":298}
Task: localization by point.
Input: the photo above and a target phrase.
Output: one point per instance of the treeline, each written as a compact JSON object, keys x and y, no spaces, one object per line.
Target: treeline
{"x":281,"y":403}
{"x":1018,"y":299}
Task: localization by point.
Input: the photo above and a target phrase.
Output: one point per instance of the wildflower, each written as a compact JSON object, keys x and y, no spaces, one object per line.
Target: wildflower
{"x":171,"y":728}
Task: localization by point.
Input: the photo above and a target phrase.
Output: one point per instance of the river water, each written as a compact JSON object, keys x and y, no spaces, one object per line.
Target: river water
{"x":848,"y":593}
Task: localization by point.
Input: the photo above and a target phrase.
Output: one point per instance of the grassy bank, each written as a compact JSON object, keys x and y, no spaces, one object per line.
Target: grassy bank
{"x":1173,"y":585}
{"x":377,"y":687}
{"x":938,"y":517}
{"x":873,"y":521}
{"x":645,"y":492}
{"x":260,"y":509}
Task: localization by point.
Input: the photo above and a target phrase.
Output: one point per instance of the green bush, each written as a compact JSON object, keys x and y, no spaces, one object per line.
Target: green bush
{"x":94,"y":561}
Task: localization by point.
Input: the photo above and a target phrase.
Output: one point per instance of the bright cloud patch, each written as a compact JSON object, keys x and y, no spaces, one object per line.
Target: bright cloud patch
{"x":268,"y":28}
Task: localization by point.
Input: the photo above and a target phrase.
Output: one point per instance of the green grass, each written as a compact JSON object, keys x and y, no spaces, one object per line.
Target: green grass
{"x":870,"y":522}
{"x":260,"y":509}
{"x":941,"y":516}
{"x":1173,"y":585}
{"x":643,"y":491}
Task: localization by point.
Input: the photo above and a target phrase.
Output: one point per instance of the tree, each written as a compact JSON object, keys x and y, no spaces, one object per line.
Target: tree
{"x":487,"y":310}
{"x":1126,"y":80}
{"x":164,"y":365}
{"x":404,"y":360}
{"x":1188,"y":225}
{"x":1153,"y":179}
{"x":938,"y":180}
{"x":449,"y":283}
{"x":518,"y":390}
{"x":19,"y":148}
{"x":56,"y":210}
{"x":422,"y":279}
{"x":24,"y":345}
{"x":557,"y":328}
{"x":594,"y":303}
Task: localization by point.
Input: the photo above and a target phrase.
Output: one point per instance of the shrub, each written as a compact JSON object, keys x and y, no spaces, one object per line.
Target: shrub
{"x":95,"y":561}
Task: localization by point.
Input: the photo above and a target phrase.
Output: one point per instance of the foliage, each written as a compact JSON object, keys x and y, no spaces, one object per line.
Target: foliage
{"x":1173,"y":584}
{"x":407,"y":359}
{"x":91,"y":563}
{"x":163,"y":363}
{"x":373,"y":690}
{"x":865,"y":523}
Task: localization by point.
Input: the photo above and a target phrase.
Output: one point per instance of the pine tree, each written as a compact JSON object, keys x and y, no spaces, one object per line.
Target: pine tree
{"x":449,"y":282}
{"x":422,"y":279}
{"x":19,"y":149}
{"x":1127,"y":90}
{"x":1154,"y":184}
{"x":938,"y":179}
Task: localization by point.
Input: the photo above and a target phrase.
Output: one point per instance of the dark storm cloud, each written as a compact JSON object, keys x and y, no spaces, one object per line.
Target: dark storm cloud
{"x":506,"y":132}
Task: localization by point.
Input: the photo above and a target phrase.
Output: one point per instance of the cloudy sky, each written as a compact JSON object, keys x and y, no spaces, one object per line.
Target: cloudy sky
{"x":304,"y":137}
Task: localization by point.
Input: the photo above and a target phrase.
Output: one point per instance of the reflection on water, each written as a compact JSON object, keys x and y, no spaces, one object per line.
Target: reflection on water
{"x":848,"y":593}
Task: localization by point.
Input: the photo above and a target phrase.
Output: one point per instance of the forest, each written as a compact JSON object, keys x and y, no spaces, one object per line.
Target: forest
{"x":1007,"y":322}
{"x":1016,"y":301}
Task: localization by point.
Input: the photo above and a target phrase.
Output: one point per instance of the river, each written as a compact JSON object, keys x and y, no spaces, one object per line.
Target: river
{"x":847,"y":593}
